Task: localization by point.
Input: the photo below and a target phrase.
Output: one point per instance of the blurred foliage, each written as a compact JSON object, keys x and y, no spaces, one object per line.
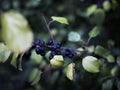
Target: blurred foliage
{"x":98,"y":19}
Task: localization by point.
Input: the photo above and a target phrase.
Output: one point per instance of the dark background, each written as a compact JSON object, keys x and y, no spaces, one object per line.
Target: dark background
{"x":73,"y":10}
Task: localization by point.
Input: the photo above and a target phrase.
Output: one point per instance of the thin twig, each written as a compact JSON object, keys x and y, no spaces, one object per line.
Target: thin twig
{"x":88,"y":41}
{"x":48,"y":28}
{"x":50,"y":22}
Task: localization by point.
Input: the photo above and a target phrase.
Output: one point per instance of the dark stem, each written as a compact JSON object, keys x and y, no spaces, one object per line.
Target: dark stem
{"x":48,"y":28}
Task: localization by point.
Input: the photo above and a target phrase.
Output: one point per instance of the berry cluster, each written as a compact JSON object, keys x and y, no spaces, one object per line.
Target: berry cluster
{"x":56,"y":49}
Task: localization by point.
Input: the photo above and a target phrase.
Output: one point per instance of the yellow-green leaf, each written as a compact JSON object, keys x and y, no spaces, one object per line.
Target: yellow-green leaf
{"x":91,"y":64}
{"x":70,"y":71}
{"x":4,"y":53}
{"x":13,"y":60}
{"x":15,"y":31}
{"x":114,"y":71}
{"x":91,"y":48}
{"x":57,"y":61}
{"x":91,"y":9}
{"x":110,"y":58}
{"x":60,"y":19}
{"x":94,"y":32}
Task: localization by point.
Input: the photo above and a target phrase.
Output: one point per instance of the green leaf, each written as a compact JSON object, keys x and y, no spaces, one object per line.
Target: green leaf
{"x":13,"y":60}
{"x":99,"y":16}
{"x":91,"y":48}
{"x":91,"y":64}
{"x":16,"y":32}
{"x":60,"y":19}
{"x":32,"y":3}
{"x":36,"y":80}
{"x":91,"y":9}
{"x":34,"y":76}
{"x":54,"y":77}
{"x":4,"y":53}
{"x":107,"y":85}
{"x":110,"y":59}
{"x":17,"y":63}
{"x":114,"y":4}
{"x":114,"y":71}
{"x":74,"y":37}
{"x":106,"y":5}
{"x":70,"y":71}
{"x":104,"y":70}
{"x":110,"y":43}
{"x":100,"y":50}
{"x":57,"y":61}
{"x":35,"y":58}
{"x":94,"y":32}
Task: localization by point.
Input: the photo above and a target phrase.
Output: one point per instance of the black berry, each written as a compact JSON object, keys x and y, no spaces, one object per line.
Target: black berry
{"x":37,"y":49}
{"x":33,"y":45}
{"x":51,"y":55}
{"x":27,"y":54}
{"x":59,"y":43}
{"x":52,"y":48}
{"x":71,"y":55}
{"x":50,"y":42}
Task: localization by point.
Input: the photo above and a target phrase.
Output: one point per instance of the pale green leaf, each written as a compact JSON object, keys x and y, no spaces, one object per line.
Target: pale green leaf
{"x":94,"y":32}
{"x":4,"y":53}
{"x":60,"y":19}
{"x":74,"y":37}
{"x":91,"y":64}
{"x":15,"y":31}
{"x":91,"y":48}
{"x":57,"y":61}
{"x":106,"y":5}
{"x":13,"y":60}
